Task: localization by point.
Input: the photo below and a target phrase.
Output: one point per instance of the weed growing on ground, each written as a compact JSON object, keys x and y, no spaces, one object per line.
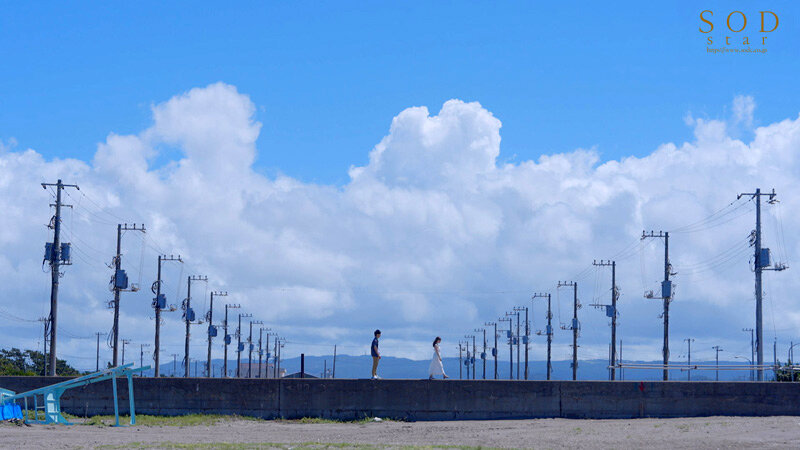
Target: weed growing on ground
{"x":188,"y":420}
{"x":320,"y":420}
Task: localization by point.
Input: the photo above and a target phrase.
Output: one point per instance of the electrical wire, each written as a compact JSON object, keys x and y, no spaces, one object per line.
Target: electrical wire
{"x":4,"y":313}
{"x":702,"y":223}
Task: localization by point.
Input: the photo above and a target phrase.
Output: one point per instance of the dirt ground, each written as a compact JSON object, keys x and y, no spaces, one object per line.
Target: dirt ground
{"x":706,"y":432}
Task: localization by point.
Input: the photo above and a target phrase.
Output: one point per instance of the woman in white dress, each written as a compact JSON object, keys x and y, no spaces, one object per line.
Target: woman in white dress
{"x":436,"y":367}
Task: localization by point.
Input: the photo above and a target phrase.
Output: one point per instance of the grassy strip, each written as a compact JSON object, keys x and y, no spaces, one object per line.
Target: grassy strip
{"x":189,"y":420}
{"x":320,"y":420}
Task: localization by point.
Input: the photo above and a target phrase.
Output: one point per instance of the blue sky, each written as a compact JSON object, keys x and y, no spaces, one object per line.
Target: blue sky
{"x":327,"y":77}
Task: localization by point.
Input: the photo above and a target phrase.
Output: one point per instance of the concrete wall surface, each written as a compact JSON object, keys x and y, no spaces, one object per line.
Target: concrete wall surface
{"x":427,"y":400}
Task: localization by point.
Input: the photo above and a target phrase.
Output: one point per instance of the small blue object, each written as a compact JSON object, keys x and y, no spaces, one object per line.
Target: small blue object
{"x":525,"y":340}
{"x":763,"y":258}
{"x":472,"y":360}
{"x":227,"y":339}
{"x":252,"y":347}
{"x":269,"y":355}
{"x":189,"y":315}
{"x":508,"y":333}
{"x":212,"y":331}
{"x":120,"y":279}
{"x":48,"y":252}
{"x":494,"y":352}
{"x":241,"y":346}
{"x":575,"y":324}
{"x":609,"y":311}
{"x":483,"y":355}
{"x":466,"y":362}
{"x":65,"y":253}
{"x":514,"y":341}
{"x":549,"y":330}
{"x":160,"y":302}
{"x":666,"y":289}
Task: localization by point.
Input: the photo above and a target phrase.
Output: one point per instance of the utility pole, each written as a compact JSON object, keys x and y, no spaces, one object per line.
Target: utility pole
{"x":333,"y":373}
{"x":483,"y":353}
{"x":510,"y":346}
{"x":689,"y":357}
{"x":575,"y":327}
{"x":188,"y":315}
{"x":511,"y":325}
{"x":525,"y":337}
{"x":611,"y":312}
{"x":752,"y":353}
{"x":159,"y":303}
{"x":280,"y":352}
{"x":212,"y":330}
{"x":518,"y":344}
{"x":494,"y":349}
{"x":57,"y":256}
{"x":239,"y":344}
{"x":762,"y":262}
{"x":775,"y":354}
{"x":260,"y":350}
{"x":474,"y":351}
{"x":141,"y":354}
{"x":174,"y":363}
{"x":120,"y":283}
{"x":124,"y":343}
{"x":227,"y":339}
{"x":666,"y":295}
{"x":470,"y":358}
{"x":548,"y":331}
{"x":275,"y":357}
{"x":460,"y":351}
{"x":97,"y":360}
{"x":718,"y":349}
{"x":250,"y":348}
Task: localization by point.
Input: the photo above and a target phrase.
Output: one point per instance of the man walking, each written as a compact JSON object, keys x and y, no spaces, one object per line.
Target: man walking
{"x":376,"y":355}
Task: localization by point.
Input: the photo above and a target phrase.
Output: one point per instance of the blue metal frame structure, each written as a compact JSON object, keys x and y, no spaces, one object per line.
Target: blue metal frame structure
{"x":51,"y":395}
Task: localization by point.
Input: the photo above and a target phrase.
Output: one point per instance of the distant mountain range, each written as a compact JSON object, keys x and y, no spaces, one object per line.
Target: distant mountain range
{"x":390,"y":367}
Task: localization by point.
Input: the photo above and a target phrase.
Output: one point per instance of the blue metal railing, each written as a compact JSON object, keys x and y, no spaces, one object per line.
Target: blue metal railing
{"x":51,"y":395}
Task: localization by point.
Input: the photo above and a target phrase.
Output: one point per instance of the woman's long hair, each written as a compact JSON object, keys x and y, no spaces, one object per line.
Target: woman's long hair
{"x":437,"y":340}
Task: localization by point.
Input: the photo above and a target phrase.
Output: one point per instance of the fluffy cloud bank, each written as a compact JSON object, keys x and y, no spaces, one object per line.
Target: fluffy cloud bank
{"x":431,"y":237}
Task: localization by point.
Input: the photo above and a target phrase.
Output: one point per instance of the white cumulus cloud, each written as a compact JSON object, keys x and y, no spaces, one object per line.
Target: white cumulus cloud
{"x":432,"y":237}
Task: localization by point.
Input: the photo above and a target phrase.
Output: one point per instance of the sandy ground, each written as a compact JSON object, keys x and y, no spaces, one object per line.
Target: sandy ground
{"x":706,"y":432}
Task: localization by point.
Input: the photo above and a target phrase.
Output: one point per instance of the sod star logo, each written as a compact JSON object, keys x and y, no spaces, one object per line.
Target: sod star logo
{"x":737,"y":31}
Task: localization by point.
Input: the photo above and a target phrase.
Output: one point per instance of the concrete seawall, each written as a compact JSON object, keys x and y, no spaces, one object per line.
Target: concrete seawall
{"x":428,"y":400}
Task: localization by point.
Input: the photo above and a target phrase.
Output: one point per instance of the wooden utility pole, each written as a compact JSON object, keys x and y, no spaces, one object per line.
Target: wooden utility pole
{"x":494,"y":350}
{"x":188,"y":316}
{"x":666,"y":295}
{"x":212,"y":330}
{"x":575,"y":327}
{"x":761,"y":262}
{"x":120,"y":283}
{"x":227,"y":339}
{"x":611,"y":311}
{"x":547,"y":331}
{"x":159,"y":303}
{"x":57,"y":256}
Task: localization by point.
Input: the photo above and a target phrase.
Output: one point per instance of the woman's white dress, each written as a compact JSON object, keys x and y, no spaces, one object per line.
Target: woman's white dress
{"x":436,"y":363}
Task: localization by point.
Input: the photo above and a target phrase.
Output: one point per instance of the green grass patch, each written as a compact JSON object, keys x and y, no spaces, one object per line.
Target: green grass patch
{"x":189,"y":420}
{"x":320,"y":420}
